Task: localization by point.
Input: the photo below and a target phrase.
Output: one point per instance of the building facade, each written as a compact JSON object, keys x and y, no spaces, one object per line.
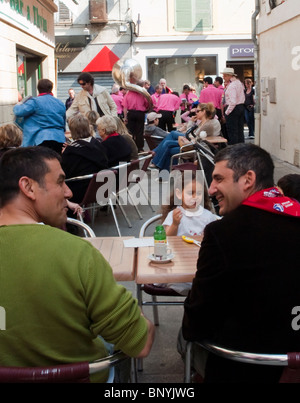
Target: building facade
{"x":278,"y":119}
{"x":179,"y":40}
{"x":27,"y":50}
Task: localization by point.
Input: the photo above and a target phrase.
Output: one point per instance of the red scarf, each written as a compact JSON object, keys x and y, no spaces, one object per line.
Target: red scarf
{"x":45,"y":93}
{"x":274,"y":201}
{"x":115,"y":134}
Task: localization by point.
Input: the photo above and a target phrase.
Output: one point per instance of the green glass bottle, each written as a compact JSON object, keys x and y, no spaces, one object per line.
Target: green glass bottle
{"x":160,"y":242}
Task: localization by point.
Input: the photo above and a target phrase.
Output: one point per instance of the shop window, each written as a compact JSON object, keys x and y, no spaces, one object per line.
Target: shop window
{"x":193,"y":15}
{"x":28,"y":73}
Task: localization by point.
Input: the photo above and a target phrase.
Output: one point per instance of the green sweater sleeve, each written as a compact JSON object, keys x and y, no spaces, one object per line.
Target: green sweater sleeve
{"x":113,"y":312}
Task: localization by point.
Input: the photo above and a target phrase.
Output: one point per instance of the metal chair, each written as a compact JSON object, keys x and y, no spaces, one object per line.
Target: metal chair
{"x":290,"y":361}
{"x":152,"y":289}
{"x":78,"y":372}
{"x":88,"y":232}
{"x":93,"y":196}
{"x":152,"y":141}
{"x":132,"y":173}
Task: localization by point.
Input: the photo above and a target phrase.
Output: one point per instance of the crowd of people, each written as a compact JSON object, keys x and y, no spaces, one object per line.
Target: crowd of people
{"x":243,"y":292}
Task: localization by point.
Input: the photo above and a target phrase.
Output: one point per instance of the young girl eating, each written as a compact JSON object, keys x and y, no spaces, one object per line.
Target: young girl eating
{"x":192,"y":214}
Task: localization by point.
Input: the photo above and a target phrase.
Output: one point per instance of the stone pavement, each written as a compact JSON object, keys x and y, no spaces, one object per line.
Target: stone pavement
{"x":163,"y":365}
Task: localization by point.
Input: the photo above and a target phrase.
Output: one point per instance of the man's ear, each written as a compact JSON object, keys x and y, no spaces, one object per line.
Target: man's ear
{"x":27,"y":187}
{"x":250,"y":180}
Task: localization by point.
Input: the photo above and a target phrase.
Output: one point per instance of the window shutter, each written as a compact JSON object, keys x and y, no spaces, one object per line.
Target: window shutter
{"x":203,"y":15}
{"x":183,"y":15}
{"x":193,"y":15}
{"x":64,"y":13}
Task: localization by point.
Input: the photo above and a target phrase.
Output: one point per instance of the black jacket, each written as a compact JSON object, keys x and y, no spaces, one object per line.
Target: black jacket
{"x":246,"y":285}
{"x":83,"y":158}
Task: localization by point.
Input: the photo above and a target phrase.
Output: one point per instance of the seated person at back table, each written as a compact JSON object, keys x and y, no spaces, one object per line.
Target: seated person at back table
{"x":116,"y":147}
{"x":84,"y":156}
{"x":10,"y":137}
{"x":171,"y":144}
{"x":246,"y":283}
{"x":290,"y":186}
{"x":57,"y":290}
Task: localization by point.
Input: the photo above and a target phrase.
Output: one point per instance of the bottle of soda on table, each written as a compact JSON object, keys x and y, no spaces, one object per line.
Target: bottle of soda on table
{"x":160,"y":242}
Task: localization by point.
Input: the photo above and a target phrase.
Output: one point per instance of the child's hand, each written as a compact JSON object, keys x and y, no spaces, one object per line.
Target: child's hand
{"x":177,"y":215}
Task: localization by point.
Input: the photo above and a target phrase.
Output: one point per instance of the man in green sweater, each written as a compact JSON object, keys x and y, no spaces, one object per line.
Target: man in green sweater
{"x":57,"y":290}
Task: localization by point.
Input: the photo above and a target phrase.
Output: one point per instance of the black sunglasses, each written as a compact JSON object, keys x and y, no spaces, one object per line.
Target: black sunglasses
{"x":82,"y":83}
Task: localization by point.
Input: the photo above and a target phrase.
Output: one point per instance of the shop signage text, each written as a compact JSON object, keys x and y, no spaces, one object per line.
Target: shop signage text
{"x":242,"y":50}
{"x":19,"y":7}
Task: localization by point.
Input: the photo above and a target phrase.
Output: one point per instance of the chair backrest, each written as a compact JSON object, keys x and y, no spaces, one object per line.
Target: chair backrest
{"x":88,"y":232}
{"x":148,"y":223}
{"x":69,"y":373}
{"x":152,"y":141}
{"x":290,"y":361}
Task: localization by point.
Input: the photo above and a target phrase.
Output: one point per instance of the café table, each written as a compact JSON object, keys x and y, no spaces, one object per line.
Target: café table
{"x":120,"y":258}
{"x":181,"y":268}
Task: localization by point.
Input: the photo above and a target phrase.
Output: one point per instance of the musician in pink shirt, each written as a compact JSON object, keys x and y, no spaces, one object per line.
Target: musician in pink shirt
{"x":167,"y":106}
{"x":117,"y":96}
{"x":135,"y":105}
{"x":210,"y":94}
{"x":155,"y":96}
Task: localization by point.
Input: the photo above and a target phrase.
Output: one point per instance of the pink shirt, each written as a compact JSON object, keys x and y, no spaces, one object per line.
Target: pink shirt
{"x":211,"y":94}
{"x":168,"y":102}
{"x":135,"y":101}
{"x":118,"y":99}
{"x":155,"y":97}
{"x":190,"y":97}
{"x":234,"y":95}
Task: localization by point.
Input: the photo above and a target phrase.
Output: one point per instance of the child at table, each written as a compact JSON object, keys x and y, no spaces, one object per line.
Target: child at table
{"x":192,"y":214}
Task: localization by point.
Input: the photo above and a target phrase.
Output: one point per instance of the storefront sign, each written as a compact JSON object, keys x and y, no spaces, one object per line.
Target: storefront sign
{"x":242,"y":50}
{"x":29,"y":13}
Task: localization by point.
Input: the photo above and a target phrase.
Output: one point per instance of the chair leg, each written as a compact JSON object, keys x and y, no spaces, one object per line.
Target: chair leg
{"x":147,"y":196}
{"x":115,"y":217}
{"x":135,"y":206}
{"x":122,"y":210}
{"x":188,"y":362}
{"x":155,"y":311}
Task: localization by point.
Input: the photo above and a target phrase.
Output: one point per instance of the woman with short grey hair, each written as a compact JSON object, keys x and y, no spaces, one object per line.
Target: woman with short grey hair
{"x":116,"y":147}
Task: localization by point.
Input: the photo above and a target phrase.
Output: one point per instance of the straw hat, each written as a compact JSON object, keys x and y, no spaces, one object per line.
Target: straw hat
{"x":228,"y":70}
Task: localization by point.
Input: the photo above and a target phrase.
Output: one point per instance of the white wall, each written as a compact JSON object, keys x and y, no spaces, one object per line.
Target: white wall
{"x":279,"y":46}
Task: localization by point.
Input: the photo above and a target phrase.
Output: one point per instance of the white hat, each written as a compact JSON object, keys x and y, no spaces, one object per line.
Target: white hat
{"x":152,"y":116}
{"x":228,"y":70}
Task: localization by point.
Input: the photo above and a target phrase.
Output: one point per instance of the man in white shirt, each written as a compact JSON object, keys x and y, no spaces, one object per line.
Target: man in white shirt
{"x":234,"y":107}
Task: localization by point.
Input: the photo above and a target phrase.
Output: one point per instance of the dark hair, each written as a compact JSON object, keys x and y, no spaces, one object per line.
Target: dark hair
{"x":219,"y":79}
{"x":186,"y":87}
{"x":208,"y":80}
{"x":243,"y":157}
{"x":210,"y":110}
{"x":86,"y":77}
{"x":181,"y":178}
{"x":290,"y":185}
{"x":23,"y":161}
{"x":44,"y":85}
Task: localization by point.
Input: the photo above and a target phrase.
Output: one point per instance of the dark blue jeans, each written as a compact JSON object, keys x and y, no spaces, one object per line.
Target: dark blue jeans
{"x":235,"y":125}
{"x":168,"y":147}
{"x":249,"y":117}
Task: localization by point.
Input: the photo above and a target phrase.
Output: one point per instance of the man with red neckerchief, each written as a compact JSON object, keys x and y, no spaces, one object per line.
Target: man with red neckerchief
{"x":247,"y":279}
